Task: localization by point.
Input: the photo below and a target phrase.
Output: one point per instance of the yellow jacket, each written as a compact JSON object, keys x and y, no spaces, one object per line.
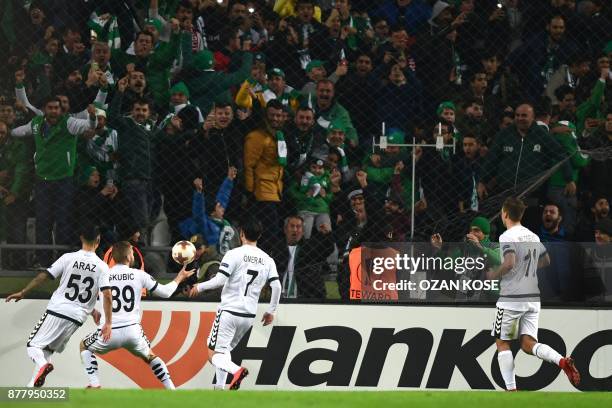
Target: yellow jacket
{"x":263,"y":175}
{"x":286,"y":8}
{"x":244,"y":98}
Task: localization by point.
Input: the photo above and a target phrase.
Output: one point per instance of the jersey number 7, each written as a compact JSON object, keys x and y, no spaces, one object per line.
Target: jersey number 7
{"x":531,"y":254}
{"x":253,"y":277}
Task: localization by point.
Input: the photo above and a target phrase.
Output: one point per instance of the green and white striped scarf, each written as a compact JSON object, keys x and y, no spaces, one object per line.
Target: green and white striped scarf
{"x":106,"y":30}
{"x":281,"y":147}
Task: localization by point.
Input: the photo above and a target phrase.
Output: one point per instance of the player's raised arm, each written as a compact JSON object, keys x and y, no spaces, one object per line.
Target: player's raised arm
{"x":40,"y":278}
{"x":165,"y":291}
{"x":216,"y":282}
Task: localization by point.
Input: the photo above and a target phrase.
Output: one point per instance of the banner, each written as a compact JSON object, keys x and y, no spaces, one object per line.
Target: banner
{"x":336,"y":347}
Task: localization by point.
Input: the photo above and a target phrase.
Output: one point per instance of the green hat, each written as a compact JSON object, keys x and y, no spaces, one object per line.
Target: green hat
{"x":481,"y":223}
{"x":608,"y":48}
{"x":445,"y":105}
{"x":203,"y":60}
{"x":259,"y":56}
{"x":276,"y":72}
{"x":566,"y":123}
{"x":314,"y":64}
{"x":336,"y":125}
{"x":155,"y":23}
{"x":395,"y":136}
{"x":180,"y":87}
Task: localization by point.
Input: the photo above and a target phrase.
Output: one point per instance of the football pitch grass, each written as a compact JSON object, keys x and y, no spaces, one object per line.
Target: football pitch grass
{"x":248,"y":399}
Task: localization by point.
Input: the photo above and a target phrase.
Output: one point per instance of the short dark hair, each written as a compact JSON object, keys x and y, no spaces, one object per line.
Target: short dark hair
{"x":298,"y":3}
{"x":50,"y":99}
{"x":293,"y":217}
{"x":478,"y":69}
{"x":228,"y":34}
{"x":364,"y":53}
{"x":563,"y":90}
{"x":251,"y":228}
{"x":555,"y":16}
{"x":326,"y":81}
{"x":275,"y":104}
{"x":395,"y":28}
{"x":89,"y":233}
{"x":514,"y":207}
{"x":578,"y":58}
{"x":70,"y":27}
{"x":547,"y":203}
{"x":186,"y":4}
{"x":141,"y":101}
{"x":147,"y":33}
{"x":121,"y":251}
{"x":304,"y":108}
{"x":472,"y":134}
{"x":472,"y":101}
{"x":543,"y":107}
{"x":223,"y":104}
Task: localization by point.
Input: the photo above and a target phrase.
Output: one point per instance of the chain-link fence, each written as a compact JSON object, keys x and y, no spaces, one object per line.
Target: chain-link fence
{"x":168,"y":120}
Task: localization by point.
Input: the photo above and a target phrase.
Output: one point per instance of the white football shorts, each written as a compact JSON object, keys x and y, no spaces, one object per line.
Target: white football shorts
{"x":132,"y":338}
{"x":510,"y":324}
{"x":52,"y":332}
{"x":227,"y":330}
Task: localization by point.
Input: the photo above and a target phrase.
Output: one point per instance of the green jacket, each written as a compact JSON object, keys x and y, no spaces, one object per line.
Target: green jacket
{"x":339,"y":114}
{"x":15,"y":160}
{"x":209,"y":86}
{"x":382,"y":176}
{"x":512,"y":160}
{"x":592,"y":107}
{"x":55,"y":156}
{"x":577,"y":160}
{"x":318,"y":204}
{"x":157,"y":65}
{"x":136,"y":142}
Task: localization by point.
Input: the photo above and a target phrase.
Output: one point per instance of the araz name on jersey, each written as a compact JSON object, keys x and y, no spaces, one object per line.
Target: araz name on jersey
{"x":84,"y":266}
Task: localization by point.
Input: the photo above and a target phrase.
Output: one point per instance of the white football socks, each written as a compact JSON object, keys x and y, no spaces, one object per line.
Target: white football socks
{"x":90,"y":364}
{"x":546,"y":353}
{"x":161,"y":372}
{"x":506,"y":366}
{"x":220,"y":378}
{"x":39,"y":357}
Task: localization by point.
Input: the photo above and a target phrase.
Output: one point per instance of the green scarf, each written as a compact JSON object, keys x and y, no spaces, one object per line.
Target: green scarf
{"x":343,"y":161}
{"x":281,"y":147}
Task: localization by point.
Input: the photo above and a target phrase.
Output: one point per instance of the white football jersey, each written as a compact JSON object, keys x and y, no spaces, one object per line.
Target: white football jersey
{"x":83,"y":274}
{"x":126,"y":289}
{"x":521,"y":282}
{"x":248,"y":269}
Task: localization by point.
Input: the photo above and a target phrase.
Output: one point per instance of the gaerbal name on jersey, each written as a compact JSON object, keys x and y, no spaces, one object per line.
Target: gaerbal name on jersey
{"x":121,"y":276}
{"x":253,"y":259}
{"x":84,"y":266}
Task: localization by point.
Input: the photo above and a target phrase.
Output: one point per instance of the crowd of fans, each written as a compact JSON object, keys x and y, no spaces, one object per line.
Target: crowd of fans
{"x":112,"y":110}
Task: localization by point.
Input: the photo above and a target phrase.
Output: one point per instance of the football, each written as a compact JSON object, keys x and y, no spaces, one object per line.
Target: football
{"x":183,"y":252}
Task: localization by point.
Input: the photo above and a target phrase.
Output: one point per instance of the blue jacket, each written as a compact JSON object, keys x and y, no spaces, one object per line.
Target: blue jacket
{"x":415,"y":15}
{"x":200,"y":222}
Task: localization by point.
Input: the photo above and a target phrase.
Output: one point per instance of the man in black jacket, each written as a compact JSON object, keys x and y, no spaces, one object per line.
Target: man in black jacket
{"x":300,"y":261}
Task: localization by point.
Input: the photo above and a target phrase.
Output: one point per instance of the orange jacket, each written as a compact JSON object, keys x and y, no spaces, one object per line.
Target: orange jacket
{"x":362,"y":280}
